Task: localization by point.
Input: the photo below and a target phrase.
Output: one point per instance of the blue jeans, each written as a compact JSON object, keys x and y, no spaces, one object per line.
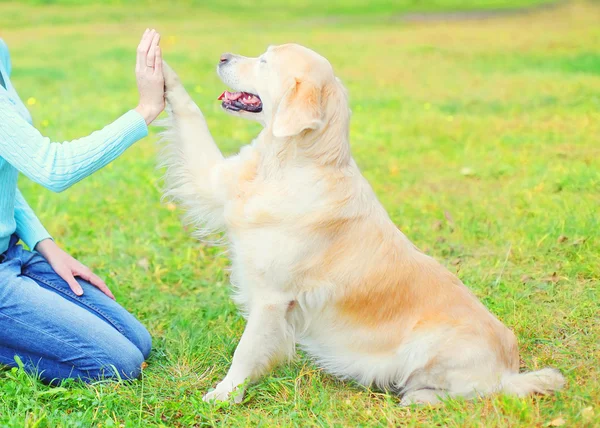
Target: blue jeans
{"x":58,"y":334}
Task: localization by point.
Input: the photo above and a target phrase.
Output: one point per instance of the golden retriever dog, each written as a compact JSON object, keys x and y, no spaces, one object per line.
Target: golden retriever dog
{"x":316,"y":260}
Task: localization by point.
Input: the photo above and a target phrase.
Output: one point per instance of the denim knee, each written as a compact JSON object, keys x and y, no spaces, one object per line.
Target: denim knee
{"x":123,"y":362}
{"x":140,"y":337}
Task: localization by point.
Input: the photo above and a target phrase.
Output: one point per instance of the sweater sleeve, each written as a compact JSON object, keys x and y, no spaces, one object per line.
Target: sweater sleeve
{"x":5,"y":57}
{"x":29,"y":227}
{"x":57,"y":166}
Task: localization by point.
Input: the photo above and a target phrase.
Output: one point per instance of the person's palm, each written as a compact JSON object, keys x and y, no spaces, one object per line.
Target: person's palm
{"x":149,"y":76}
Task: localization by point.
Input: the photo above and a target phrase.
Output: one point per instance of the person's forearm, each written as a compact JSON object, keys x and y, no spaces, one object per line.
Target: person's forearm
{"x":29,"y":227}
{"x":58,"y":166}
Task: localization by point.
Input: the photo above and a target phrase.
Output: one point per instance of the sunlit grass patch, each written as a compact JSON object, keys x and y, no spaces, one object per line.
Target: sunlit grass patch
{"x":480,"y":138}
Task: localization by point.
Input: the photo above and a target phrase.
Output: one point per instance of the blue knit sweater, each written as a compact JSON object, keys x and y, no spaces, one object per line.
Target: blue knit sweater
{"x":55,"y":166}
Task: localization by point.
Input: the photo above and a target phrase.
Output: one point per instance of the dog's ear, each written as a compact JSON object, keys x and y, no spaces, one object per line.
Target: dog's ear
{"x":299,"y":110}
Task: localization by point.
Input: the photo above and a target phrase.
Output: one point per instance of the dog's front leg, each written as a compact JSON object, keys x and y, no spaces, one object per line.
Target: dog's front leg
{"x":267,"y":339}
{"x":192,"y":159}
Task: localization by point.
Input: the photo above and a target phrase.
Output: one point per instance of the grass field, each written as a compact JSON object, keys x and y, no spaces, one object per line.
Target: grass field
{"x":481,"y":138}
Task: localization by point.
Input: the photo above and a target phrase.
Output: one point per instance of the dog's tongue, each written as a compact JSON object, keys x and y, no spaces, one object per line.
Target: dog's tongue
{"x":230,"y":96}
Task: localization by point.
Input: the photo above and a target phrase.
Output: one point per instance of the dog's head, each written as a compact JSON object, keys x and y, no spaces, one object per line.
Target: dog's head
{"x":286,"y":89}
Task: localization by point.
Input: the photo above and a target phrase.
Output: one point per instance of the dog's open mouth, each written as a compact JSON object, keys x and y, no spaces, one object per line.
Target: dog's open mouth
{"x":237,"y":101}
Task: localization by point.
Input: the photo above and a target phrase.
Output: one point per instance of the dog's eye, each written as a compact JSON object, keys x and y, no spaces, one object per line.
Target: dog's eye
{"x":263,"y":61}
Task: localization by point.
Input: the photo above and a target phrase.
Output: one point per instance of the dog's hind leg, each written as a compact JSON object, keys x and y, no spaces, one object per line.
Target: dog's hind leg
{"x":191,"y":158}
{"x":267,"y":339}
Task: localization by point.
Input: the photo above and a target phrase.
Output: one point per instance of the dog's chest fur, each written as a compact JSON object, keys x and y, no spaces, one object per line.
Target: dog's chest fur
{"x":269,"y":210}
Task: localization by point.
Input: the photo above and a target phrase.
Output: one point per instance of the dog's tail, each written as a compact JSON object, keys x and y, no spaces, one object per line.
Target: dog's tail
{"x":545,"y":381}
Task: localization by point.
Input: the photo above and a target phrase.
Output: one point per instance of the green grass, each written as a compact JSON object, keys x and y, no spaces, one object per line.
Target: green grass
{"x":481,"y":139}
{"x":265,"y":13}
{"x":313,"y":7}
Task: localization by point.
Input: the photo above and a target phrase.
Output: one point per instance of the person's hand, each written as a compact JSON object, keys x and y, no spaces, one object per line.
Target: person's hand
{"x":68,"y":268}
{"x":149,"y":76}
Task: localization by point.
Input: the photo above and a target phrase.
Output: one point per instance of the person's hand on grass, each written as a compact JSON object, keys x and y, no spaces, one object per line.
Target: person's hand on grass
{"x":149,"y":76}
{"x":68,"y":268}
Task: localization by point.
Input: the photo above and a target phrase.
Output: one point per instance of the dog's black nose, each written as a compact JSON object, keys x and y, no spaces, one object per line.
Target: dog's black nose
{"x":225,"y":58}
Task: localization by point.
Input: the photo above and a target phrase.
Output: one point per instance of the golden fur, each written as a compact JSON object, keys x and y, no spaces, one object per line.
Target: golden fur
{"x":316,"y":261}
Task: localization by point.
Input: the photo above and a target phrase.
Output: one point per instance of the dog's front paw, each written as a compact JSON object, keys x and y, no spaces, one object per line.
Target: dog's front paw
{"x":216,"y":395}
{"x":223,"y":392}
